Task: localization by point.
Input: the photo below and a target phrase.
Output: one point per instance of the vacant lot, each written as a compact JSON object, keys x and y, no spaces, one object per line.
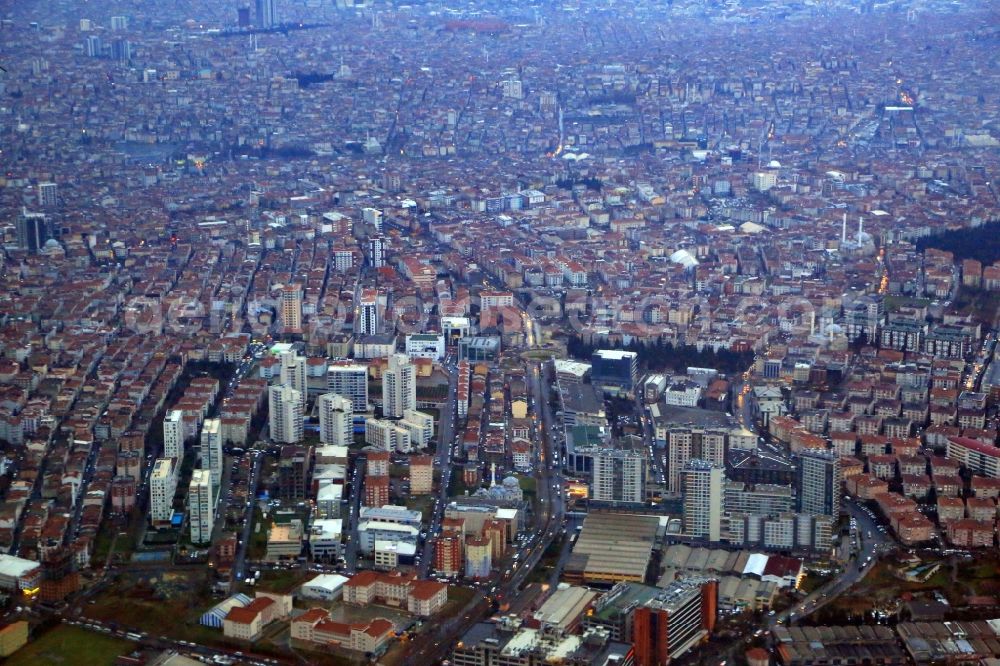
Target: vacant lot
{"x":979,"y":304}
{"x":71,"y":646}
{"x":168,"y":604}
{"x":282,"y":581}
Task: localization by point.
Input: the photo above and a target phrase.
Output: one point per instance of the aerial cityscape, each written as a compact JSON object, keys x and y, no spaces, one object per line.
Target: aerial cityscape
{"x":483,"y":333}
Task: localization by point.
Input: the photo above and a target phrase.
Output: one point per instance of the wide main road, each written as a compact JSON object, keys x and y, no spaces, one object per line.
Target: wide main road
{"x":437,"y":645}
{"x":658,"y":457}
{"x":239,"y":564}
{"x":551,"y":468}
{"x":872,"y":540}
{"x":446,"y":441}
{"x":353,"y":513}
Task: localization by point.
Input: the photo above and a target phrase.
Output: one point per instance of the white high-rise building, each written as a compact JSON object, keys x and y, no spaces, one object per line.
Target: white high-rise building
{"x":211,"y":449}
{"x":763,"y":499}
{"x":293,"y":375}
{"x":33,"y":230}
{"x":267,"y":14}
{"x":201,"y":508}
{"x":351,"y":381}
{"x":162,"y":488}
{"x":764,"y":180}
{"x":173,"y":434}
{"x":336,"y":420}
{"x":399,"y":386}
{"x":513,"y":88}
{"x":387,"y":435}
{"x":619,"y":477}
{"x":376,"y":251}
{"x":372,"y":216}
{"x":693,"y":442}
{"x":703,"y":485}
{"x":48,"y":194}
{"x":421,"y":427}
{"x":93,"y":47}
{"x":817,"y":482}
{"x":285,"y":417}
{"x":343,"y":260}
{"x":368,"y":321}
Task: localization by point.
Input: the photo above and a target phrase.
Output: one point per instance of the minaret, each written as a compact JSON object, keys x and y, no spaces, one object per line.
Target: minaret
{"x":861,"y":229}
{"x":493,"y":475}
{"x":843,"y":231}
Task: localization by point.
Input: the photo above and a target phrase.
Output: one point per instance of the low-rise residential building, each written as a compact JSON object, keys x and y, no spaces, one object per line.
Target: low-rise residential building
{"x":913,"y":527}
{"x":421,"y":475}
{"x":981,"y":508}
{"x":983,"y":486}
{"x":950,"y":509}
{"x":969,"y":533}
{"x":916,"y":486}
{"x":865,"y":486}
{"x":947,"y":486}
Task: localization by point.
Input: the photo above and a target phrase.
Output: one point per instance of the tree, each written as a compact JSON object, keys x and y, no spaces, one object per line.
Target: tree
{"x":661,"y":356}
{"x":981,"y":243}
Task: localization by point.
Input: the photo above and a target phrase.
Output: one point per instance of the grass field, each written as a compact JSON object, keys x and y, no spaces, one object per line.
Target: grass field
{"x":422,"y":503}
{"x":978,"y":303}
{"x":258,"y":535}
{"x":283,"y":581}
{"x":894,"y":303}
{"x":457,"y":598}
{"x":539,"y":354}
{"x":174,"y":613}
{"x":154,"y":617}
{"x":436,"y":413}
{"x":981,"y":576}
{"x":71,"y":646}
{"x":102,"y":544}
{"x":457,"y":486}
{"x":814,"y":581}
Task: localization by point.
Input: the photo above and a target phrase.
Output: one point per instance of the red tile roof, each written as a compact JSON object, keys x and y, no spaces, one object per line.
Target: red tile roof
{"x":426,"y":589}
{"x":337,"y":628}
{"x":362,"y":579}
{"x":977,"y":446}
{"x":312,"y":615}
{"x":778,"y":565}
{"x":247,"y":614}
{"x":378,"y":627}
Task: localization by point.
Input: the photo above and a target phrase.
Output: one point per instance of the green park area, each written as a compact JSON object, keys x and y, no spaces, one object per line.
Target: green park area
{"x":167,"y":604}
{"x":979,"y":304}
{"x":893,"y":303}
{"x":71,"y":646}
{"x":528,"y":484}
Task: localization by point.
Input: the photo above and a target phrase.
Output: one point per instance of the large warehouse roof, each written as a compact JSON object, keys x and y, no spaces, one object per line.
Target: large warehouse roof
{"x":15,"y":567}
{"x":615,"y":546}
